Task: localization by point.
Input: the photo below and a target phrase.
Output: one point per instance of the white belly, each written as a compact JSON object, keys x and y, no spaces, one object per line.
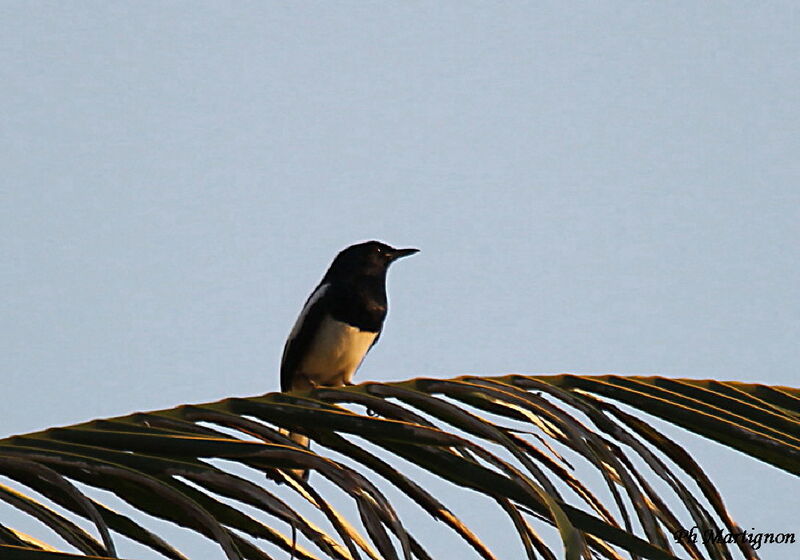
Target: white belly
{"x":336,"y":352}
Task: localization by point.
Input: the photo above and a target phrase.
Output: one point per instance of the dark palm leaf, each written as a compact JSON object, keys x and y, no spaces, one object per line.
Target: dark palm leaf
{"x":513,"y":439}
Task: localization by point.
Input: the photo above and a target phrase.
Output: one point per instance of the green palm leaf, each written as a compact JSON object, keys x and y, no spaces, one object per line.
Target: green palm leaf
{"x":515,"y":439}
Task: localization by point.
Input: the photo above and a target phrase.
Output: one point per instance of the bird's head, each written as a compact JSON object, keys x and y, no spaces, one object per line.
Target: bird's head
{"x":367,"y":259}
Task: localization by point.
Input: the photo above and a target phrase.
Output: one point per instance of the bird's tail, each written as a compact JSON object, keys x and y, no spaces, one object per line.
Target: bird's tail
{"x":302,"y":440}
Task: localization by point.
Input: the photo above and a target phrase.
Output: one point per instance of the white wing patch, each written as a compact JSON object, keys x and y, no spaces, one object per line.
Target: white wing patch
{"x":314,"y":298}
{"x":335,"y":353}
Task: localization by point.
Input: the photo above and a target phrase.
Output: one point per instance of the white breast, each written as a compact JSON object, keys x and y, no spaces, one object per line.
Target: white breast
{"x":336,"y":352}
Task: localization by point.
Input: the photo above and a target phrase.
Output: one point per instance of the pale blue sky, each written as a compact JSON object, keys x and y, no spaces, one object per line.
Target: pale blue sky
{"x":595,"y":187}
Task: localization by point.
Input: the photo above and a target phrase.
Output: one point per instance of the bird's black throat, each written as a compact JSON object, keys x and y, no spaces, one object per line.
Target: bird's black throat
{"x":360,"y":302}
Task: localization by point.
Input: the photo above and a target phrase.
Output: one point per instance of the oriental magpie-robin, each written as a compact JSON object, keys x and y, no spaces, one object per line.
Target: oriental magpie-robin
{"x":340,"y":322}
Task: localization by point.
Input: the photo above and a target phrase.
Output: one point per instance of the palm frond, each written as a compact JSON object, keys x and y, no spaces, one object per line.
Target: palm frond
{"x":525,"y":442}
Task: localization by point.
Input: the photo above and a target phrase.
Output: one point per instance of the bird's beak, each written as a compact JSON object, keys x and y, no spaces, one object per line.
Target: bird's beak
{"x":400,"y":253}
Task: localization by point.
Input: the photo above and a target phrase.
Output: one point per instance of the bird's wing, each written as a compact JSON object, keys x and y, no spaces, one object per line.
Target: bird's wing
{"x":302,"y":335}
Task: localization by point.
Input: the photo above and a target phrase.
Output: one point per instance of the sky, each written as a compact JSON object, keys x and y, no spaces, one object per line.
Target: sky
{"x":595,"y":187}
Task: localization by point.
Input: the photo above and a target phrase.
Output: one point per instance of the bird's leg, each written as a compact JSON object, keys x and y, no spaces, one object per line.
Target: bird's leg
{"x":309,"y":384}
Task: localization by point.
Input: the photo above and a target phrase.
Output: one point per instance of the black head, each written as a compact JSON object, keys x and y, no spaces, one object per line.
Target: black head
{"x":371,"y":258}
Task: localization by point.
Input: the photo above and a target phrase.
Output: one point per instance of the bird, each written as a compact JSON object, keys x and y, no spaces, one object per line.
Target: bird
{"x":340,"y":322}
